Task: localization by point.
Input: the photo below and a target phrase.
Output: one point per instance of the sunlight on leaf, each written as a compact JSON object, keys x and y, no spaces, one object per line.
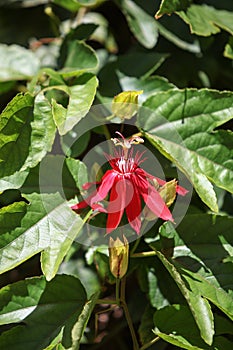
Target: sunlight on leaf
{"x":180,"y":124}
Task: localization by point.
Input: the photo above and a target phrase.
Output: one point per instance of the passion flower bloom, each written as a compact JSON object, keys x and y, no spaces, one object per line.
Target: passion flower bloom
{"x":128,"y":186}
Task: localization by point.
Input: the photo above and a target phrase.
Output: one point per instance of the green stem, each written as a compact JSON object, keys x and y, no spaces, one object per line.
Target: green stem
{"x":55,"y":21}
{"x":143,"y":254}
{"x":118,"y":281}
{"x":106,"y":132}
{"x":127,"y":315}
{"x":135,"y":246}
{"x":107,"y":136}
{"x":147,"y":345}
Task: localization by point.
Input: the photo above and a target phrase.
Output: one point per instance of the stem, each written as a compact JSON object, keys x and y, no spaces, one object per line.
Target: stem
{"x":127,"y":315}
{"x":147,"y":345}
{"x":106,"y":132}
{"x":107,"y":136}
{"x":118,"y":291}
{"x":143,"y":254}
{"x":135,"y":246}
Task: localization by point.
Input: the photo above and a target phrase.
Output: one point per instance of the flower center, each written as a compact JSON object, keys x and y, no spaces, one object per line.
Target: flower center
{"x":124,"y":166}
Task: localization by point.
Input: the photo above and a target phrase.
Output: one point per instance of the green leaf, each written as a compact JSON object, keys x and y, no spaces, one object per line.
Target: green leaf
{"x":42,"y":133}
{"x":78,"y":268}
{"x":48,"y":225}
{"x":180,"y":124}
{"x":206,"y":20}
{"x":81,"y":96}
{"x":6,"y":86}
{"x":142,"y":25}
{"x":74,"y":331}
{"x":53,"y":175}
{"x":44,"y":307}
{"x":102,"y":34}
{"x":80,"y":57}
{"x":20,"y":299}
{"x":147,"y":63}
{"x":149,"y":85}
{"x":168,"y":7}
{"x":217,"y":296}
{"x":66,"y":229}
{"x":78,"y":170}
{"x":173,"y":324}
{"x":15,"y":133}
{"x":202,"y":243}
{"x":199,"y":306}
{"x":74,"y":146}
{"x":74,"y":5}
{"x":80,"y":33}
{"x":25,"y":135}
{"x":17,"y":63}
{"x":13,"y":181}
{"x":145,"y":329}
{"x":193,"y":47}
{"x":71,"y":5}
{"x":228,"y":52}
{"x":206,"y":241}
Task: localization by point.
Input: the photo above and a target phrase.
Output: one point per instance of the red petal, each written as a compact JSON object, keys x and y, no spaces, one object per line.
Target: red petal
{"x":116,"y":204}
{"x":153,"y":199}
{"x":106,"y":184}
{"x":160,"y":181}
{"x":133,"y":209}
{"x":98,"y":207}
{"x":85,"y":202}
{"x":181,"y":190}
{"x":80,"y":205}
{"x":87,"y":185}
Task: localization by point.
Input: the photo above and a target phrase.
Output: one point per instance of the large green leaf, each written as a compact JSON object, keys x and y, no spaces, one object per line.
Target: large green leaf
{"x":44,"y":307}
{"x":147,"y":63}
{"x":142,"y":25}
{"x":201,"y":247}
{"x":17,"y":63}
{"x":81,"y":96}
{"x":167,"y":6}
{"x":206,"y":20}
{"x":47,"y":225}
{"x":56,"y":173}
{"x":13,"y":181}
{"x":26,"y":135}
{"x":203,"y":244}
{"x":79,"y":172}
{"x":199,"y":306}
{"x":180,"y":124}
{"x":15,"y":133}
{"x":80,"y":57}
{"x":202,"y":286}
{"x":149,"y":85}
{"x":173,"y":324}
{"x":145,"y":329}
{"x":43,"y":131}
{"x":74,"y":331}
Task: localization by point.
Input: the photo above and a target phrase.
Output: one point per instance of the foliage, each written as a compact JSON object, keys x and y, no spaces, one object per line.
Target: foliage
{"x":72,"y":73}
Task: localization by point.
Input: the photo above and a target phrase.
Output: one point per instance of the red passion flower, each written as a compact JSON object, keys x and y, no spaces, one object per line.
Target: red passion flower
{"x":127,"y":185}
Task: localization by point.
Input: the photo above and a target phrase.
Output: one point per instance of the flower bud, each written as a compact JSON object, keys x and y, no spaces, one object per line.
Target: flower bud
{"x":118,"y":256}
{"x":125,"y":104}
{"x":168,"y":192}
